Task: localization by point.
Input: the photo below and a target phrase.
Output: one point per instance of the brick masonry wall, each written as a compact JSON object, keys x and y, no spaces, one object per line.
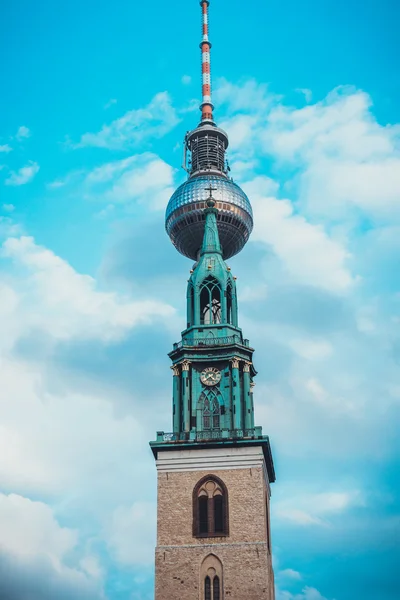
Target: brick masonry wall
{"x":247,"y":570}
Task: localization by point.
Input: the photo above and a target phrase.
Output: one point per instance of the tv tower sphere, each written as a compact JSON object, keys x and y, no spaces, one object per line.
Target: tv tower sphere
{"x":204,"y":160}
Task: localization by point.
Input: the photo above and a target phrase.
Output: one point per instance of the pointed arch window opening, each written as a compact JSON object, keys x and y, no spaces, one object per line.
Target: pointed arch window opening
{"x":191,"y":315}
{"x":229,"y":309}
{"x":211,"y":410}
{"x":207,"y":588}
{"x":210,"y":302}
{"x":210,"y":508}
{"x":216,"y":588}
{"x":203,"y":515}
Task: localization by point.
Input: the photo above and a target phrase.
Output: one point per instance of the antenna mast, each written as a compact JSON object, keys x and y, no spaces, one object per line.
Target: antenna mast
{"x":206,"y":106}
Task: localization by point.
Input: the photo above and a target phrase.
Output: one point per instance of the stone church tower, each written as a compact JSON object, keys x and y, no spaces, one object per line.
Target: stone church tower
{"x":215,"y":467}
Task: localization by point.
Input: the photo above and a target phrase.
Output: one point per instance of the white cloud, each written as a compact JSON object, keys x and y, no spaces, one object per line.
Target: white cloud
{"x":290,"y":574}
{"x":306,"y":93}
{"x":333,"y":154}
{"x":57,"y":183}
{"x":132,"y":534}
{"x":239,"y":128}
{"x":34,"y":545}
{"x":5,"y":148}
{"x":373,"y":186}
{"x":23,"y":132}
{"x":186,"y":79}
{"x":348,"y":158}
{"x":91,"y":566}
{"x":251,"y":293}
{"x":23,"y":175}
{"x":300,"y":517}
{"x":306,"y":251}
{"x":247,"y":96}
{"x":29,"y":528}
{"x":8,"y":207}
{"x":110,"y":103}
{"x":8,"y":227}
{"x":339,"y":126}
{"x":315,"y":509}
{"x":311,"y":349}
{"x":308,"y":593}
{"x":144,"y":178}
{"x":66,"y":437}
{"x":153,"y":121}
{"x":106,"y":212}
{"x":68,"y":303}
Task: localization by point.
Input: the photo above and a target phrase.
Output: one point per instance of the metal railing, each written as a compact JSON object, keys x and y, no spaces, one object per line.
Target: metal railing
{"x":217,"y":341}
{"x":211,"y":434}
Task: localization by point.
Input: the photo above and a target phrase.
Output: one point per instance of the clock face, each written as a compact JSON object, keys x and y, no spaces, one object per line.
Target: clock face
{"x":210,"y":376}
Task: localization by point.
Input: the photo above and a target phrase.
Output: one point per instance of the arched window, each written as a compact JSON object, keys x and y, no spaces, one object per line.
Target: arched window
{"x":207,"y":588}
{"x":210,"y":410}
{"x":219,"y":514}
{"x":203,"y":514}
{"x":190,"y":306}
{"x":210,"y":302}
{"x":210,"y":508}
{"x":229,"y":316}
{"x":216,"y":588}
{"x":211,"y":578}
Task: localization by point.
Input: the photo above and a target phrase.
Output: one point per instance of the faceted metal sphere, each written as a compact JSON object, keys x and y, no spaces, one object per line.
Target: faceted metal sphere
{"x":184,"y":219}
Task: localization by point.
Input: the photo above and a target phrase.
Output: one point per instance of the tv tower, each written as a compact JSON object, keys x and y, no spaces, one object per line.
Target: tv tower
{"x":205,"y":162}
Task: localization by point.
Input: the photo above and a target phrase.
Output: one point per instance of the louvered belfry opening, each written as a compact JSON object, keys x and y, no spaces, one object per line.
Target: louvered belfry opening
{"x":210,"y":302}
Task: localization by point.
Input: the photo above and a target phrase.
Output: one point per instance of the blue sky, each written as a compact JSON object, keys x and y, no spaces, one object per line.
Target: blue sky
{"x":95,"y":102}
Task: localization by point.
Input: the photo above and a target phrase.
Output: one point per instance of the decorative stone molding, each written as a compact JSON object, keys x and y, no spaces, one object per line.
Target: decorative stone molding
{"x":185,"y":365}
{"x":252,"y":385}
{"x":175,"y":369}
{"x":246,"y":367}
{"x":235,"y":362}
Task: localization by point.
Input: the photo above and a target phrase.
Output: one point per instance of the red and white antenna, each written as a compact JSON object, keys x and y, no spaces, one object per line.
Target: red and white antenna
{"x":206,"y":106}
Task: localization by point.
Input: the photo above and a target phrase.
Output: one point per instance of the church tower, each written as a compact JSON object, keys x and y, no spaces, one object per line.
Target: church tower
{"x":215,"y":468}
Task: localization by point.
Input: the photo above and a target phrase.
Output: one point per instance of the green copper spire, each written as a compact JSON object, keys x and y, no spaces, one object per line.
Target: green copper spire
{"x":211,"y":243}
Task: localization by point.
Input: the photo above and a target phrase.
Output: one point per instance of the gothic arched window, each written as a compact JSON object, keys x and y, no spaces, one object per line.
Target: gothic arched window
{"x":210,"y":302}
{"x":210,"y":508}
{"x":211,"y":578}
{"x":207,"y":588}
{"x":210,"y":410}
{"x":203,"y":514}
{"x":190,"y":306}
{"x":216,"y":588}
{"x":229,"y":316}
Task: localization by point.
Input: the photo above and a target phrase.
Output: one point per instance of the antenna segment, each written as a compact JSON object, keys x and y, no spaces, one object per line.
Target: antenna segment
{"x":206,"y":106}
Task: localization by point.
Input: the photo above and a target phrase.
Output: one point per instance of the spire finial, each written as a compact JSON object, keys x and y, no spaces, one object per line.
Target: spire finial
{"x":206,"y":106}
{"x":210,"y":201}
{"x":211,"y":243}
